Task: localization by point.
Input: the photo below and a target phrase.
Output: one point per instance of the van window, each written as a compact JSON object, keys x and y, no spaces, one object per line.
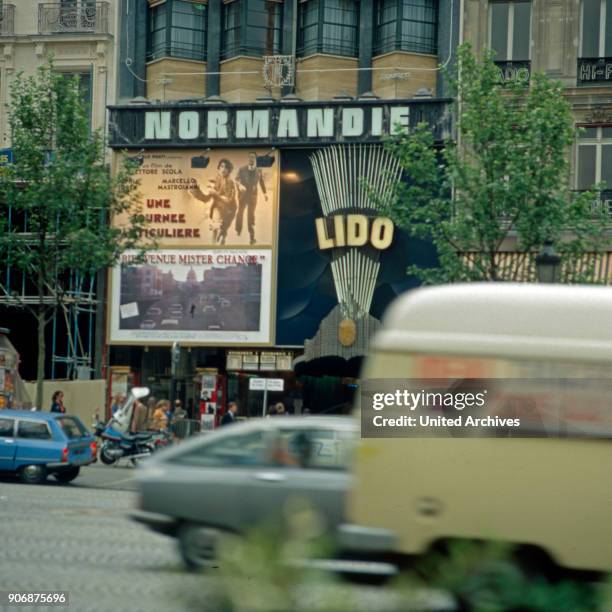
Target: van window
{"x":6,"y":428}
{"x":33,"y":430}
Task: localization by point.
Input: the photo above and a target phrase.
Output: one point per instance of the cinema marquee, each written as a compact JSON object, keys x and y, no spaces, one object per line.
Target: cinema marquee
{"x":274,"y":124}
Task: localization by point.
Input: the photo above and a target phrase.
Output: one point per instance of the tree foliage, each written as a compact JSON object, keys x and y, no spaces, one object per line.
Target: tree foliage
{"x":58,"y":196}
{"x":503,"y":185}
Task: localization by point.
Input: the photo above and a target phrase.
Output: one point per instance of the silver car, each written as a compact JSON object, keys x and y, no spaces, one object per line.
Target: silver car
{"x":243,"y":475}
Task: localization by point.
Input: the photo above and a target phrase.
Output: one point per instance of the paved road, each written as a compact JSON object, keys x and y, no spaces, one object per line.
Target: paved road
{"x":78,"y":538}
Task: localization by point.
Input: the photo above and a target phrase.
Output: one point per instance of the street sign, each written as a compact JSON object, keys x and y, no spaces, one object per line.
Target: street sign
{"x":6,"y":157}
{"x":257,"y":384}
{"x":275,"y":384}
{"x":266,"y":384}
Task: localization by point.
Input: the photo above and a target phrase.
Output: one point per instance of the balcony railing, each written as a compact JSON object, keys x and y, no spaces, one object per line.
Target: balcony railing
{"x":594,"y":70}
{"x":73,"y":17}
{"x":514,"y":71}
{"x":7,"y":19}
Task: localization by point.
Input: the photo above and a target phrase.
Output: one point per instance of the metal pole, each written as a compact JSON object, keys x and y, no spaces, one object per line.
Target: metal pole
{"x":265,"y":401}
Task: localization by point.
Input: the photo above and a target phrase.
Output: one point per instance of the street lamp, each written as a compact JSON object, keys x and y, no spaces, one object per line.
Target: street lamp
{"x":548,"y":264}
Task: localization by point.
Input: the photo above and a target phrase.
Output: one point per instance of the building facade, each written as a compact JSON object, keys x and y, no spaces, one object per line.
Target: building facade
{"x":569,"y":40}
{"x":292,"y":282}
{"x":80,"y":37}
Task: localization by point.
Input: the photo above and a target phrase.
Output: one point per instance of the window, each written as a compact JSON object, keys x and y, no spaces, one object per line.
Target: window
{"x":596,"y":28}
{"x":73,"y":428}
{"x":406,"y":25}
{"x":84,"y":88}
{"x":177,"y":28}
{"x":251,"y":27}
{"x":314,"y":449}
{"x":33,"y":430}
{"x":594,"y":158}
{"x":510,"y":30}
{"x":234,"y":451}
{"x":328,"y":26}
{"x":6,"y":428}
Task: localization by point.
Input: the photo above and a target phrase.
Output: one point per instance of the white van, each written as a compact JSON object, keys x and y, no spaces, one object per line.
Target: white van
{"x":552,"y":494}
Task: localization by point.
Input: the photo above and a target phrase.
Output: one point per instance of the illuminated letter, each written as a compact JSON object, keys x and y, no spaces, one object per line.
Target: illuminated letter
{"x":377,"y":121}
{"x":157,"y":125}
{"x":217,"y":124}
{"x":356,"y":230}
{"x":252,"y":124}
{"x":339,"y":237}
{"x":324,"y":241}
{"x":381,"y":234}
{"x":320,"y":122}
{"x":189,"y":125}
{"x":352,"y":121}
{"x":400,"y":118}
{"x":287,"y":123}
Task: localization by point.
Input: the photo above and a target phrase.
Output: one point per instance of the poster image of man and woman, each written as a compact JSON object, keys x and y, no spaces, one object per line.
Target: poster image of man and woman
{"x":212,"y":198}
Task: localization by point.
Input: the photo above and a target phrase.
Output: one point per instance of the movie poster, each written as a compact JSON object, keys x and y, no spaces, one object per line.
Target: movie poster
{"x":195,"y":199}
{"x":214,"y":296}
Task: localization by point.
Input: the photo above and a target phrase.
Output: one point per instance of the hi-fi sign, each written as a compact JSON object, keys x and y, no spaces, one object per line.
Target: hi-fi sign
{"x":354,"y":231}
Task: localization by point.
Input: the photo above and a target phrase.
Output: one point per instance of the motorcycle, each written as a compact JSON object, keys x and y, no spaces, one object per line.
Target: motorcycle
{"x":118,"y":443}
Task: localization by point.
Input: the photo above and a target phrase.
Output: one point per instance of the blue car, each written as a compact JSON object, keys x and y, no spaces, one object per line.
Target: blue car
{"x":36,"y":444}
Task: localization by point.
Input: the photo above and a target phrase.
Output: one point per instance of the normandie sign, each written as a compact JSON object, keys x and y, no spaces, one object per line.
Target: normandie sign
{"x":189,"y":125}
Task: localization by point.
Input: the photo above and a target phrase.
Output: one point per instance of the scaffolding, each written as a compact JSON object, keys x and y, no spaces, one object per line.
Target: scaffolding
{"x":73,"y":318}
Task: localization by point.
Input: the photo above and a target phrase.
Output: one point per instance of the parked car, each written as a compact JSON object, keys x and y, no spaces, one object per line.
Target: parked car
{"x":147,"y":324}
{"x":154,"y":311}
{"x":243,"y":475}
{"x":36,"y":444}
{"x":209,"y":308}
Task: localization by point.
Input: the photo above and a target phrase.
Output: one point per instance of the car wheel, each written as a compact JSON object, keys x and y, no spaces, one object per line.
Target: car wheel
{"x":198,"y":545}
{"x":33,"y":474}
{"x":67,"y":476}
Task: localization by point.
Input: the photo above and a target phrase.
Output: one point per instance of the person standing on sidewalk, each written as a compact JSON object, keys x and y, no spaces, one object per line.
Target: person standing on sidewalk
{"x":57,"y":402}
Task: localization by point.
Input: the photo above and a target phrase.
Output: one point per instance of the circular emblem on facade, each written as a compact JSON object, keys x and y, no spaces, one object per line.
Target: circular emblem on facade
{"x":347,"y":332}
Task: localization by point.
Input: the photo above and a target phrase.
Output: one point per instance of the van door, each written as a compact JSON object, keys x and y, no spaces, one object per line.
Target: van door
{"x":7,"y":443}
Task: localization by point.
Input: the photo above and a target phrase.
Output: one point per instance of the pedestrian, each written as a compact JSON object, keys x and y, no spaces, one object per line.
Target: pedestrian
{"x":230,"y":416}
{"x":160,"y":418}
{"x":57,"y":402}
{"x":117,"y":402}
{"x":139,"y":417}
{"x":179,"y":412}
{"x":151,"y":402}
{"x":192,"y":310}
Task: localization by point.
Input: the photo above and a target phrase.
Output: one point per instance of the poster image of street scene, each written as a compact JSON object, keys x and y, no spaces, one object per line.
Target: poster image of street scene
{"x":214,"y":296}
{"x":195,"y":199}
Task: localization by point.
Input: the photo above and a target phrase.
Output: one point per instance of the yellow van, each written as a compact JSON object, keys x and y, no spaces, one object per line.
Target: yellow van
{"x":551,"y":493}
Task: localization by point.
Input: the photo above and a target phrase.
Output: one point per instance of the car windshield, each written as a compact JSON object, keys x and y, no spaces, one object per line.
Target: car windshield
{"x":72,"y":427}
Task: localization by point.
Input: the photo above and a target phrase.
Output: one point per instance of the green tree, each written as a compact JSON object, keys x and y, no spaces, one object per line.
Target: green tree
{"x":504,"y":183}
{"x":57,"y":199}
